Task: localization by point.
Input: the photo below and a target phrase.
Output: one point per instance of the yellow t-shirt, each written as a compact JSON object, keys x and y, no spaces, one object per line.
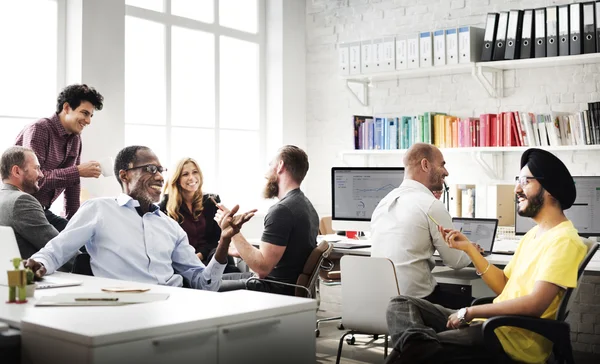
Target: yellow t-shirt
{"x":553,"y":257}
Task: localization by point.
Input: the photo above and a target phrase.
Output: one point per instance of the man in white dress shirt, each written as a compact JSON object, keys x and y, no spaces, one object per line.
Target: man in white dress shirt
{"x":403,"y":232}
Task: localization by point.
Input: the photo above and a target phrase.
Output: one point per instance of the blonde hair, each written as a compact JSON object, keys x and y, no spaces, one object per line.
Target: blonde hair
{"x":173,"y":189}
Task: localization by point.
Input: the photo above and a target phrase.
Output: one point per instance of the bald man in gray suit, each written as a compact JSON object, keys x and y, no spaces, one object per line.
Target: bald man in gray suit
{"x":20,"y":172}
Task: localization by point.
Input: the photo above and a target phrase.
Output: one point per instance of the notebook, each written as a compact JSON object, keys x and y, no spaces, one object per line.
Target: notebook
{"x":479,"y":231}
{"x":9,"y":249}
{"x":346,"y":245}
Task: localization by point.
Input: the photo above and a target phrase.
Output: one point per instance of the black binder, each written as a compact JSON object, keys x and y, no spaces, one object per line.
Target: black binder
{"x":563,"y":30}
{"x":489,"y":38}
{"x":527,"y":35}
{"x":589,"y":28}
{"x":513,"y":35}
{"x":500,"y":48}
{"x":576,"y":45}
{"x":540,"y":32}
{"x":597,"y":26}
{"x":551,"y":31}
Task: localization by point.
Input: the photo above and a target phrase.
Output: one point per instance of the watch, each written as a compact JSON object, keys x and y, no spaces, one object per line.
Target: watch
{"x":461,"y":315}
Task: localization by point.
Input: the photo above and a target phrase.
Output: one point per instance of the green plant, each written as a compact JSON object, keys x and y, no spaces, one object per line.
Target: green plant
{"x":30,"y":276}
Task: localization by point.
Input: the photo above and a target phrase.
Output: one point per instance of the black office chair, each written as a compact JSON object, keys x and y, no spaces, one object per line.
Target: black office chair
{"x":558,"y":331}
{"x":81,"y":265}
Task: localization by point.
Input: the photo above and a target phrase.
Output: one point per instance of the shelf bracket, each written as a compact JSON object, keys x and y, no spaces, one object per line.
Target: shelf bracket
{"x":494,"y":171}
{"x":360,"y":90}
{"x":495,"y":87}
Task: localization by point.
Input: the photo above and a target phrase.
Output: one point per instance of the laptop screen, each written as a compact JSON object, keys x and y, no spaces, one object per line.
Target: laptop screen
{"x":479,"y":231}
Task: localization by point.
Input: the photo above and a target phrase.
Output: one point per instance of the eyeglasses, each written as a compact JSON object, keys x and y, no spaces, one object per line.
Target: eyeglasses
{"x":524,"y":180}
{"x":150,"y":168}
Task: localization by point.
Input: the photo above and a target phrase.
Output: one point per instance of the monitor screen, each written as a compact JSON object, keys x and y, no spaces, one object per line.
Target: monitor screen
{"x":357,"y":191}
{"x":584,"y":214}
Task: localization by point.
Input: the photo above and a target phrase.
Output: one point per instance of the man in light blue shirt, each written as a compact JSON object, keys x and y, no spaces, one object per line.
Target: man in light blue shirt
{"x":129,"y":238}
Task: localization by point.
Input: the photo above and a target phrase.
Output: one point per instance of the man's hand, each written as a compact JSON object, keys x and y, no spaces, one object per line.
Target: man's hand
{"x":453,"y":321}
{"x":230,"y":223}
{"x":200,"y":256}
{"x":455,"y":239}
{"x":89,"y":169}
{"x":38,"y":268}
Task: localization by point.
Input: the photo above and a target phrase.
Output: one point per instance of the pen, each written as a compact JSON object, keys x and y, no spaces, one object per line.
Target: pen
{"x":432,"y":219}
{"x":215,"y":202}
{"x":98,"y":299}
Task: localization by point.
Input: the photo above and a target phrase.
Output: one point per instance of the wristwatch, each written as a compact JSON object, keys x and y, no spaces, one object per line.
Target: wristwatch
{"x":461,"y":315}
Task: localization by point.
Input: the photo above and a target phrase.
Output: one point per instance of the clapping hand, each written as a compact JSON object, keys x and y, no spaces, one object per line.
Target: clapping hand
{"x":229,"y":222}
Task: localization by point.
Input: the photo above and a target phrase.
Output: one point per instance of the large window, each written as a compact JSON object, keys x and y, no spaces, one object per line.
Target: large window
{"x":29,"y":76}
{"x":194,"y":88}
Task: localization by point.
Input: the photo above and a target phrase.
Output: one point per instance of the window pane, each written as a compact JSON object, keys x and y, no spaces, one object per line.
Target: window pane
{"x":194,"y":9}
{"x":240,"y":166}
{"x":239,"y":14}
{"x":28,"y":65}
{"x":155,"y":5}
{"x":152,"y":137}
{"x":11,"y":127}
{"x":239,"y":89}
{"x":200,"y":145}
{"x":145,"y":91}
{"x":192,"y":78}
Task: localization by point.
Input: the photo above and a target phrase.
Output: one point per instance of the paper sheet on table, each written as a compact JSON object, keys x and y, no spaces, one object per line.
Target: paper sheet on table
{"x":100,"y":299}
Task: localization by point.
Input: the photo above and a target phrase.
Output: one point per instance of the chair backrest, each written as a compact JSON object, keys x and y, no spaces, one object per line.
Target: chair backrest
{"x":310,"y":272}
{"x":82,"y":265}
{"x":368,"y":284}
{"x":325,"y":226}
{"x":565,"y":303}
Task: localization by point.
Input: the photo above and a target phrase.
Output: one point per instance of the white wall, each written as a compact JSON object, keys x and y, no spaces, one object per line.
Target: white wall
{"x":330,"y":106}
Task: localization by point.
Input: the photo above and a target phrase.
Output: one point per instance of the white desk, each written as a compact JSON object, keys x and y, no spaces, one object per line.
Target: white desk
{"x":190,"y":326}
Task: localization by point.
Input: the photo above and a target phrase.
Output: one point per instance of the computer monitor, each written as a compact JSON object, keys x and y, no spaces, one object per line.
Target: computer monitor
{"x":585,"y":212}
{"x":356,"y":191}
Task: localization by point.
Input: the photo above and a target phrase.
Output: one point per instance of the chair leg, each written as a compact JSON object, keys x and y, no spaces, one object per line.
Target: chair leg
{"x":339,"y":352}
{"x":385,"y":347}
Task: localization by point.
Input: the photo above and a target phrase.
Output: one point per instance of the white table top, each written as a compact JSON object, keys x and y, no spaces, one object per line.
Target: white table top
{"x":184,"y":310}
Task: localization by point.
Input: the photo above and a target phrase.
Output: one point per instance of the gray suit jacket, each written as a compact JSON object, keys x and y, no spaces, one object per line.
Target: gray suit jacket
{"x":25,"y":215}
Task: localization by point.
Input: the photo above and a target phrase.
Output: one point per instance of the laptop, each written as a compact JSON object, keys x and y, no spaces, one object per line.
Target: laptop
{"x":479,"y":231}
{"x":10,"y":249}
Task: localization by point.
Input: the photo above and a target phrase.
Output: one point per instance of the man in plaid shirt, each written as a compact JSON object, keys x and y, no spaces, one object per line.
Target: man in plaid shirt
{"x":56,"y":142}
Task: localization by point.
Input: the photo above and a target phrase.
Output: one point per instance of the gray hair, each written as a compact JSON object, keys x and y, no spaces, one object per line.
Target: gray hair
{"x":13,"y":156}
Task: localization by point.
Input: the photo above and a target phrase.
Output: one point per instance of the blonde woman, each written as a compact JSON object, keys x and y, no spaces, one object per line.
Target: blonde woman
{"x":184,"y":202}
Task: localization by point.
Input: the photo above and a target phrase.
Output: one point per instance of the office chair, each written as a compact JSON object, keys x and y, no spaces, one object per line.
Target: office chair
{"x":368,"y":284}
{"x":81,"y":265}
{"x":558,"y":331}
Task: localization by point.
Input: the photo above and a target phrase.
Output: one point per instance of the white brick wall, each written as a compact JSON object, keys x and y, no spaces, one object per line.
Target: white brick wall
{"x":330,"y":106}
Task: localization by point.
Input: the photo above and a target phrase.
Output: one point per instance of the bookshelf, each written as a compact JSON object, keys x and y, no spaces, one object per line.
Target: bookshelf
{"x":490,"y":159}
{"x":488,"y":74}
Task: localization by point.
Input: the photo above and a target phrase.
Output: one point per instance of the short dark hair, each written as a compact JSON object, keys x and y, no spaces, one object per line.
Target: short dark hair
{"x":13,"y":156}
{"x":75,"y":94}
{"x":295,"y":161}
{"x":126,"y":155}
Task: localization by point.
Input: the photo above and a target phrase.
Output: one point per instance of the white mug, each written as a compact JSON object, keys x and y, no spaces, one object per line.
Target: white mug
{"x":106,"y":166}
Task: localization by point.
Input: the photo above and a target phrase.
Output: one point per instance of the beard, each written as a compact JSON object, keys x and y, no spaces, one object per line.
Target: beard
{"x":271,"y":188}
{"x":30,"y":186}
{"x":436,"y":181}
{"x":534,"y":204}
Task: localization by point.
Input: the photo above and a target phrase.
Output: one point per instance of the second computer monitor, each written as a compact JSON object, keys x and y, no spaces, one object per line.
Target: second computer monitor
{"x":584,"y":214}
{"x":355,"y":192}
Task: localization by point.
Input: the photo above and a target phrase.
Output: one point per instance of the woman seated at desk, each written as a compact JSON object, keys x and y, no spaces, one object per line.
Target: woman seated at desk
{"x":184,"y":202}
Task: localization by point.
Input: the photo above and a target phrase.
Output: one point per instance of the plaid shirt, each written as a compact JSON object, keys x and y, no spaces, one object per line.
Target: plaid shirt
{"x":59,"y":154}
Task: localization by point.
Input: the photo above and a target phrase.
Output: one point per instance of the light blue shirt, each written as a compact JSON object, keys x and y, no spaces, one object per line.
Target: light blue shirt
{"x":124,"y":245}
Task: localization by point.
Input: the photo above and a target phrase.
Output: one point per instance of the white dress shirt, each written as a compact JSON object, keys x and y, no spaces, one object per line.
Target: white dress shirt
{"x":402,"y":232}
{"x":152,"y":248}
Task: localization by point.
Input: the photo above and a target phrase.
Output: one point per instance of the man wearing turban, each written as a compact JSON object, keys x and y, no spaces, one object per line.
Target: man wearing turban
{"x":532,"y":284}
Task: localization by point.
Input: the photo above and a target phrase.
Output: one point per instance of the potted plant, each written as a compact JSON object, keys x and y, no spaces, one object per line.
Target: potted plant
{"x":30,"y":288}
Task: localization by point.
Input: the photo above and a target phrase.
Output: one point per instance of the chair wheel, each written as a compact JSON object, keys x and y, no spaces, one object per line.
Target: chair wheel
{"x":340,"y":326}
{"x":351,"y":340}
{"x":375,"y":337}
{"x":317,"y":332}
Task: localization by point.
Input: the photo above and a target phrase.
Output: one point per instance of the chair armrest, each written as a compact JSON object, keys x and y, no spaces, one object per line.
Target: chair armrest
{"x":334,"y":274}
{"x":308,"y":294}
{"x":482,"y":301}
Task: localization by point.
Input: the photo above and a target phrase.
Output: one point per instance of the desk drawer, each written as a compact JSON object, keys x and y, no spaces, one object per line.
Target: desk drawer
{"x":457,"y":289}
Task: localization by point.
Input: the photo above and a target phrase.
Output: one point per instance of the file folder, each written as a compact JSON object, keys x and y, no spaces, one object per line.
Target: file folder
{"x":377,"y":54}
{"x":470,"y":40}
{"x":563,"y":30}
{"x":527,"y":35}
{"x":513,"y":34}
{"x":354,"y":53}
{"x":389,"y":54}
{"x":344,"y":60}
{"x":540,"y":32}
{"x":401,"y":55}
{"x":439,"y":48}
{"x":589,"y":28}
{"x":412,"y":47}
{"x":576,"y":45}
{"x":489,"y":38}
{"x":500,"y":48}
{"x":451,"y":46}
{"x":552,"y":31}
{"x":366,"y":54}
{"x":425,"y":49}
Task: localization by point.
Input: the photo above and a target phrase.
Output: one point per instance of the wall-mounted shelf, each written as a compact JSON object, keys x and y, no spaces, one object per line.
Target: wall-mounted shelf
{"x":490,"y":159}
{"x":488,"y":74}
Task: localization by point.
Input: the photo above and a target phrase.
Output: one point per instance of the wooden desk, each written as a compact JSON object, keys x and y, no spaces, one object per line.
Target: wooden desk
{"x":190,"y":326}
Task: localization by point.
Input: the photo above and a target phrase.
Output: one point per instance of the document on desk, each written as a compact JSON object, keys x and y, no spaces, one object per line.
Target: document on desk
{"x":330,"y":238}
{"x":100,"y":299}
